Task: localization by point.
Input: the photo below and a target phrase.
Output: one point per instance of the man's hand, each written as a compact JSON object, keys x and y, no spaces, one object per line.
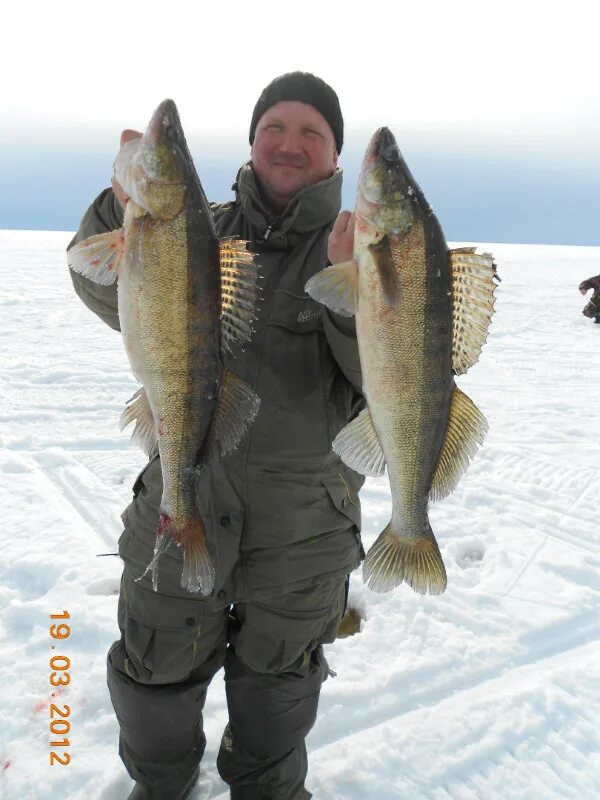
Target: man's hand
{"x":126,"y":136}
{"x":340,"y":246}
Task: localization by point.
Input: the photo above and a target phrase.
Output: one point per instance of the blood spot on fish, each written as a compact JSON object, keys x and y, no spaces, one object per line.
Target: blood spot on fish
{"x":95,"y":262}
{"x":110,"y":266}
{"x":164,"y":520}
{"x":5,"y":764}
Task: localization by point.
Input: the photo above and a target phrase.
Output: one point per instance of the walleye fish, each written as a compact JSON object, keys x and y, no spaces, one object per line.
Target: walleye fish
{"x":422,"y":314}
{"x":184,"y":299}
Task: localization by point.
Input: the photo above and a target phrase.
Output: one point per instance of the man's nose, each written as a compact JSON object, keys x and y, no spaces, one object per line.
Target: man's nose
{"x":290,"y":142}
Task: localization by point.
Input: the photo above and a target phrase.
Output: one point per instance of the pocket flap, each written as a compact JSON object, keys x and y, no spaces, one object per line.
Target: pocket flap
{"x":343,"y":498}
{"x":164,"y":611}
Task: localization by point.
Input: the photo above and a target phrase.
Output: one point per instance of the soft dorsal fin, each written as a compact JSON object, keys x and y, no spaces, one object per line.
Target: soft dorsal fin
{"x":239,"y":292}
{"x":236,"y":410}
{"x":472,"y":305}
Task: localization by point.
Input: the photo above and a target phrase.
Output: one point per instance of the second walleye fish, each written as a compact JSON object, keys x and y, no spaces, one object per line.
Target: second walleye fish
{"x":422,"y":314}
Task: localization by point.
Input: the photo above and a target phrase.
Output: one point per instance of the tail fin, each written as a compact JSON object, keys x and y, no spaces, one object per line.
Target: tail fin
{"x":198,"y":571}
{"x":414,"y":559}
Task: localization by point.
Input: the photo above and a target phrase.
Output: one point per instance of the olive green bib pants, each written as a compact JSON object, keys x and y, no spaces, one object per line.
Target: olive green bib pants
{"x":173,"y":643}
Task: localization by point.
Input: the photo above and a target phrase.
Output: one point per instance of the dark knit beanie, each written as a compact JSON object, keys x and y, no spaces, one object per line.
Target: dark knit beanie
{"x":305,"y":88}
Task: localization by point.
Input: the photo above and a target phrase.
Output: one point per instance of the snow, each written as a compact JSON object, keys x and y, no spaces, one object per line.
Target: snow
{"x":490,"y":691}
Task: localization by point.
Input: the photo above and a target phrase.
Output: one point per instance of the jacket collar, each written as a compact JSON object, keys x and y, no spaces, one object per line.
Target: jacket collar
{"x":314,"y":207}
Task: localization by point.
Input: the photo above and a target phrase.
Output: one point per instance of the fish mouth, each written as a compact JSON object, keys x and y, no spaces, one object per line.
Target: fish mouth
{"x":382,"y":151}
{"x":382,"y":146}
{"x":386,"y":196}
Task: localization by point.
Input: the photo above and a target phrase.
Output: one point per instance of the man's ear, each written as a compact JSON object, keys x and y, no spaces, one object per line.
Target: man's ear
{"x":335,"y":157}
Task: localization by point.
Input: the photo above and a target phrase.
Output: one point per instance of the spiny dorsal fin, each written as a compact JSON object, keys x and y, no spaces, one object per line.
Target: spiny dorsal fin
{"x":98,"y":257}
{"x":239,"y":292}
{"x":358,"y":446}
{"x":138,"y":410}
{"x":464,"y":434}
{"x":336,"y":287}
{"x":236,"y":410}
{"x":472,"y":305}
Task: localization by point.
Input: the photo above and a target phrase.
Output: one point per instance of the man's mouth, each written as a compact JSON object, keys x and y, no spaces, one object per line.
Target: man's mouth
{"x":290,"y":166}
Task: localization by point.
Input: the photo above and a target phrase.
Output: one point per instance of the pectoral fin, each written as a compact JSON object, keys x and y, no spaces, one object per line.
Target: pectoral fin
{"x":236,"y":410}
{"x":336,"y":287}
{"x":472,"y":305}
{"x":381,"y":253}
{"x":358,"y":446}
{"x":98,"y":257}
{"x":239,"y":292}
{"x":464,"y":434}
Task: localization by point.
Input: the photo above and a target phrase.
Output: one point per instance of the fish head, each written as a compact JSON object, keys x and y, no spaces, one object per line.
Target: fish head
{"x":388,"y":201}
{"x":153,"y":170}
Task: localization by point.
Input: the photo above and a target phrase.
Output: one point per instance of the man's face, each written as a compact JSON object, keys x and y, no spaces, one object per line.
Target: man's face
{"x":293,"y":147}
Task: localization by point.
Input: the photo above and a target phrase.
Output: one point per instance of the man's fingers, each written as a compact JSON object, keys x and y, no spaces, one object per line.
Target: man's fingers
{"x":128,"y":134}
{"x":119,"y":193}
{"x":341,"y":223}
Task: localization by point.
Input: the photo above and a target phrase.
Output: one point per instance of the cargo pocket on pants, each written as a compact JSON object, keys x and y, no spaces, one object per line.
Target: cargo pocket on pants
{"x":280,"y":634}
{"x":167,"y":637}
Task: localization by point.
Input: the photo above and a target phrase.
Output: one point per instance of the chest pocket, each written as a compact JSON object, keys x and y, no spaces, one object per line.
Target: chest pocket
{"x":300,"y":314}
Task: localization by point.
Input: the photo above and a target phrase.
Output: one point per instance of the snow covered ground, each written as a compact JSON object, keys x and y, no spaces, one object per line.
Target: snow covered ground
{"x":489,"y":692}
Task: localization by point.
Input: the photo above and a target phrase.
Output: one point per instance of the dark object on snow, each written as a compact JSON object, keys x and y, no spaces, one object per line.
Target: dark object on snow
{"x":592,"y":307}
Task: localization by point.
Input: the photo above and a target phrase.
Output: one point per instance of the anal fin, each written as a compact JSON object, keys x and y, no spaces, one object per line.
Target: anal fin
{"x":465,"y":432}
{"x":98,"y":257}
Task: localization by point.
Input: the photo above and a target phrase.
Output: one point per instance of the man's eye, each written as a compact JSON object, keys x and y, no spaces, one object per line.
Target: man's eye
{"x":274,"y":127}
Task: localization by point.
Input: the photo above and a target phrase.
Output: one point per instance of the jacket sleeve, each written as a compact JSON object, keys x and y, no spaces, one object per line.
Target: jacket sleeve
{"x":104,"y":215}
{"x":341,"y":335}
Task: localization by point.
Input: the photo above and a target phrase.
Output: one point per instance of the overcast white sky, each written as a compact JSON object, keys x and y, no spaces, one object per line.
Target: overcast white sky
{"x":524,"y":73}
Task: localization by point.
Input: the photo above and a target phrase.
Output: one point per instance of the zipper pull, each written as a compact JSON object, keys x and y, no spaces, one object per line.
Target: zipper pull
{"x":267,"y":232}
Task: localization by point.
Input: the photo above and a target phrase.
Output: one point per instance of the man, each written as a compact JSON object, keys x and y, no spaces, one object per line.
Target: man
{"x":281,"y":512}
{"x":592,"y":307}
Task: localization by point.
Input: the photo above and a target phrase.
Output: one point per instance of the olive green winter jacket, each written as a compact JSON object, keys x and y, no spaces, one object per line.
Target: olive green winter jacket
{"x":282,"y":511}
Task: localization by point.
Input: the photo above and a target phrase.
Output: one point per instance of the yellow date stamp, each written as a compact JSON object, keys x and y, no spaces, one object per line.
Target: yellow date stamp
{"x":60,"y":724}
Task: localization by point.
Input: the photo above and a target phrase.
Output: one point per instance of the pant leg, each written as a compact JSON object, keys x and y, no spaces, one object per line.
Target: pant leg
{"x":158,"y":672}
{"x":274,"y":669}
